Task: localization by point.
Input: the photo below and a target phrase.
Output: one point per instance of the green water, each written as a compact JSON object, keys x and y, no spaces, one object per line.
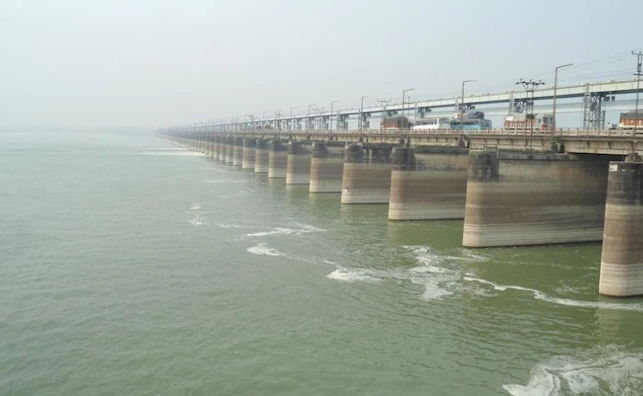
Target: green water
{"x":131,"y":267}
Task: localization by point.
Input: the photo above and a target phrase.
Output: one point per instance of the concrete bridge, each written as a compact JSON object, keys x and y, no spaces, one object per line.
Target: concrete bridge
{"x":510,"y":187}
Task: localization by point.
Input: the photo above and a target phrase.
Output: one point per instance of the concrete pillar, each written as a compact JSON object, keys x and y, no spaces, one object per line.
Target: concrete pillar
{"x":366,"y":175}
{"x":298,"y":163}
{"x":237,"y":154}
{"x":277,"y":160}
{"x":534,"y":198}
{"x":428,"y":183}
{"x":326,"y":168}
{"x":262,"y":156}
{"x":229,"y":150}
{"x":223,"y":147}
{"x":215,"y":148}
{"x":622,"y":258}
{"x":249,"y":149}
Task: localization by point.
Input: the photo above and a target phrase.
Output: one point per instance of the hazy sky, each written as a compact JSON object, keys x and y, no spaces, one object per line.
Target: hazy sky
{"x":83,"y":63}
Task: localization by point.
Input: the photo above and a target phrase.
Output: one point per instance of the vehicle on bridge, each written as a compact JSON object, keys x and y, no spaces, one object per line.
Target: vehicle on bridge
{"x":432,"y":123}
{"x":472,"y":121}
{"x":539,"y":121}
{"x":396,"y":122}
{"x":631,"y":119}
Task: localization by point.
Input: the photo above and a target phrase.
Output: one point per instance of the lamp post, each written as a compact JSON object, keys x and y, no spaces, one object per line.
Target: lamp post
{"x":308,"y":115}
{"x":361,"y":115}
{"x":291,"y":120}
{"x":553,"y":121}
{"x":462,"y":110}
{"x":331,"y":114}
{"x":403,"y":94}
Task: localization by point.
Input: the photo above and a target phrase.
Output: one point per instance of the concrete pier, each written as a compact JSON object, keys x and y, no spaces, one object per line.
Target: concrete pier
{"x":262,"y":156}
{"x":366,"y":177}
{"x":237,"y":152}
{"x":428,"y":183}
{"x":531,"y":199}
{"x":249,"y":148}
{"x":622,"y":257}
{"x":277,"y":160}
{"x":229,"y":150}
{"x":298,"y":163}
{"x":215,"y":148}
{"x":326,"y":168}
{"x":223,"y":147}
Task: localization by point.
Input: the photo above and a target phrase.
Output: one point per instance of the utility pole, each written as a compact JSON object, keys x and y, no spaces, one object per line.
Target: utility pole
{"x":403,"y":94}
{"x":291,"y":119}
{"x":383,"y":103}
{"x":638,"y":74}
{"x":331,"y":114}
{"x":462,"y":111}
{"x":553,"y":121}
{"x":530,"y":87}
{"x":361,"y":111}
{"x":308,"y":123}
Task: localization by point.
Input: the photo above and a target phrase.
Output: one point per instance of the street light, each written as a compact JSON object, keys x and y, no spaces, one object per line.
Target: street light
{"x":403,"y":94}
{"x":291,"y":120}
{"x":361,"y":111}
{"x":331,"y":114}
{"x":462,"y":111}
{"x":308,"y":115}
{"x":553,"y":121}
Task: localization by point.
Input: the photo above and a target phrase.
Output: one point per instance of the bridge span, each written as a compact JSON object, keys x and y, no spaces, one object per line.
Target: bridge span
{"x":510,"y":187}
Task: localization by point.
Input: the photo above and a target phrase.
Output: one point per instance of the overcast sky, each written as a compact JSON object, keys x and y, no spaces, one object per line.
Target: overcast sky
{"x":83,"y":63}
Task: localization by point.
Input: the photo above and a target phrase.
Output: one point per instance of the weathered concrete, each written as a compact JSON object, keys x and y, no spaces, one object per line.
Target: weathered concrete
{"x":223,"y":147}
{"x":237,"y":152}
{"x":278,"y":159}
{"x":229,"y":150}
{"x":428,"y":184}
{"x":531,"y":199}
{"x":298,"y":163}
{"x":366,"y":176}
{"x":249,"y":149}
{"x":262,"y":156}
{"x":215,"y":148}
{"x":622,"y":257}
{"x":326,"y":168}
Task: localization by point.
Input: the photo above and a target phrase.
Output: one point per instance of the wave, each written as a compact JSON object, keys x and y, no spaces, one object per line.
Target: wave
{"x":263,"y":250}
{"x":234,"y":195}
{"x":605,"y":371}
{"x":197,"y":220}
{"x":539,"y":295}
{"x":435,"y":274}
{"x":287,"y":231}
{"x":351,"y":275}
{"x":195,"y":206}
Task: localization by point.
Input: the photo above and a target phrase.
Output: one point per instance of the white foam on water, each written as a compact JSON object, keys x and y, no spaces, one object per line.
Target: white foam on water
{"x":434,"y":274}
{"x":603,"y":371}
{"x":539,"y":295}
{"x":234,"y":226}
{"x":197,"y":220}
{"x":263,"y":250}
{"x":287,"y":231}
{"x":351,"y":275}
{"x":195,"y":206}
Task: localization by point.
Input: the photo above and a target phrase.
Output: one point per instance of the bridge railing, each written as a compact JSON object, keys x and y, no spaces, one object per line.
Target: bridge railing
{"x":561,"y":132}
